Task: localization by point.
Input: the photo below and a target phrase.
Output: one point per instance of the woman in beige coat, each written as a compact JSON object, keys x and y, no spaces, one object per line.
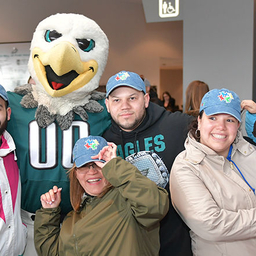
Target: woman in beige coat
{"x":213,"y":181}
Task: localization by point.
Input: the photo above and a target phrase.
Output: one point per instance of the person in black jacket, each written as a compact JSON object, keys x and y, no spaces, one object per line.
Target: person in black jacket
{"x":138,"y":126}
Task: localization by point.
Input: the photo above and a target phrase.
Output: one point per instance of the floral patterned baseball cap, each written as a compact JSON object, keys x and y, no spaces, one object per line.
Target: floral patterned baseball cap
{"x":125,"y":78}
{"x":87,"y":147}
{"x":221,"y":101}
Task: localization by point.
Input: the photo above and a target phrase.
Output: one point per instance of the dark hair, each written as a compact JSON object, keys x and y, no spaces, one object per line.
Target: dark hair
{"x":6,"y":103}
{"x":166,"y":92}
{"x":171,"y":105}
{"x":193,"y":126}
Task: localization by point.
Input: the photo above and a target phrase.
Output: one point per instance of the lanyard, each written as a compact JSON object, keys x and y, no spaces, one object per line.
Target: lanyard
{"x":229,"y":159}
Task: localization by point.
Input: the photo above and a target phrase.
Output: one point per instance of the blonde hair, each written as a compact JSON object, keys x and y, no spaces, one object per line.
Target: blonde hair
{"x":194,"y":94}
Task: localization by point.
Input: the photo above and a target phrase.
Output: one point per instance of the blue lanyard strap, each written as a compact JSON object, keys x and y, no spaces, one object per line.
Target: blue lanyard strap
{"x":229,"y":159}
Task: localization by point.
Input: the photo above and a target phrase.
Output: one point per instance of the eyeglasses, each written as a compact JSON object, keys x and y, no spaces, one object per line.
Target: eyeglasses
{"x":86,"y":168}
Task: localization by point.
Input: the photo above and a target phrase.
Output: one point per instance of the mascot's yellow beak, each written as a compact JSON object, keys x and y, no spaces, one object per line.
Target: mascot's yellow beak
{"x":61,"y":70}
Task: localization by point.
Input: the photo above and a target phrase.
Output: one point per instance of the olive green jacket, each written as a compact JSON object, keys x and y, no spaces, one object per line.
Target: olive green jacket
{"x":125,"y":221}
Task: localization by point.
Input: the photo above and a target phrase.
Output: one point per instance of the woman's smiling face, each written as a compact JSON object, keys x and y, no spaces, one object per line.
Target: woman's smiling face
{"x":218,"y":132}
{"x":91,"y":179}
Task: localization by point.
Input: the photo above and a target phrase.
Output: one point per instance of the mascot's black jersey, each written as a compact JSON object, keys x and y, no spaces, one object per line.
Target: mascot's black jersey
{"x":163,"y":133}
{"x":46,"y":154}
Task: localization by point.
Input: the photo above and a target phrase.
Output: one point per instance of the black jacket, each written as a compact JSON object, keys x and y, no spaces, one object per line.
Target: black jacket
{"x":164,"y":133}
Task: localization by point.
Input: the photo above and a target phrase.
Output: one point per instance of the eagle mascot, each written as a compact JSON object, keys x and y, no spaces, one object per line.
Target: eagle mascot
{"x":68,"y":55}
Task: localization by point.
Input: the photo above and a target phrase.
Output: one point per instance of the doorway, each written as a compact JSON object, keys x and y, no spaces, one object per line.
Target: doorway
{"x":171,"y":80}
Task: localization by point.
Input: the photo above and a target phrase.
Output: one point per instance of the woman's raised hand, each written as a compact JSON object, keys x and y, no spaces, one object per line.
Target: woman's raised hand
{"x":52,"y":198}
{"x":106,"y":154}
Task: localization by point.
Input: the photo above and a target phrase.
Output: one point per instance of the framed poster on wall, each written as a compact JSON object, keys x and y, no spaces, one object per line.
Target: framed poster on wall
{"x":14,"y":64}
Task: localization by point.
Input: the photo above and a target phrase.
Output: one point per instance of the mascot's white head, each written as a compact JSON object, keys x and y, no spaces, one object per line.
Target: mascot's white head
{"x":68,"y":56}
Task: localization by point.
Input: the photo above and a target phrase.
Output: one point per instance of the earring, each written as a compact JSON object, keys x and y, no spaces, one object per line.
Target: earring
{"x":236,"y":138}
{"x":197,"y":134}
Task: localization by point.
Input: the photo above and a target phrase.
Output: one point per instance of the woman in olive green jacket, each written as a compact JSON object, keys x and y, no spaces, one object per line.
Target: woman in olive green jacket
{"x":116,"y":209}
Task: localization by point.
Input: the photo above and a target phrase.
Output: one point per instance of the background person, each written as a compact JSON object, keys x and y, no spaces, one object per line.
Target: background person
{"x":13,"y":232}
{"x":139,"y":126}
{"x":169,"y":102}
{"x":119,"y":214}
{"x":213,"y":181}
{"x":194,"y":94}
{"x":146,"y":82}
{"x":154,"y":97}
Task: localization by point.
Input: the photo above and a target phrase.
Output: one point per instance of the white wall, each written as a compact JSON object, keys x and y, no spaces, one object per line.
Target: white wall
{"x":218,"y":44}
{"x":218,"y":37}
{"x":134,"y":44}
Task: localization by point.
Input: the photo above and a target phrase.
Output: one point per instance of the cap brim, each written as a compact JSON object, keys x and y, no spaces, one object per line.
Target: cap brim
{"x":84,"y":160}
{"x":123,"y":84}
{"x":214,"y":110}
{"x":4,"y":98}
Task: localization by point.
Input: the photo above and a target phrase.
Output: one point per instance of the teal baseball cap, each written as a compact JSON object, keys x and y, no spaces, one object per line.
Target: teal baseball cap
{"x":221,"y":101}
{"x":125,"y":78}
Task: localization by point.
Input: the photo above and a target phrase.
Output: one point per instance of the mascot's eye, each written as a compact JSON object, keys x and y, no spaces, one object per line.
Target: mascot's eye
{"x":51,"y":35}
{"x":86,"y":45}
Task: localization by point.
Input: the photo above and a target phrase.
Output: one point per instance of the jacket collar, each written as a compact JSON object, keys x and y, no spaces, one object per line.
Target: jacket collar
{"x":10,"y":146}
{"x":196,"y":151}
{"x":241,"y":145}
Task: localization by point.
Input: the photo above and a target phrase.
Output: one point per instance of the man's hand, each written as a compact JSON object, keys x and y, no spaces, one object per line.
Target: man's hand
{"x":249,"y":105}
